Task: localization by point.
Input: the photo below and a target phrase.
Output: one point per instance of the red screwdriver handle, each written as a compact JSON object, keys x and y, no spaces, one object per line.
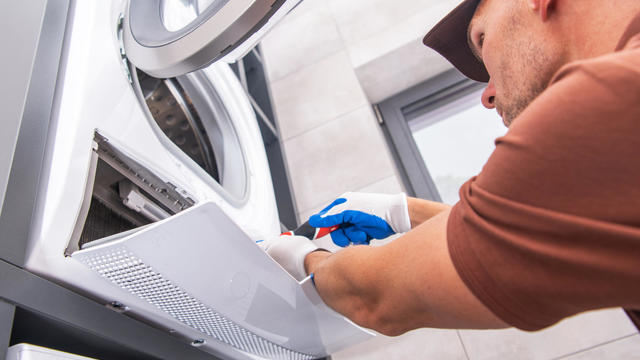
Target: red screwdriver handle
{"x":311,"y":232}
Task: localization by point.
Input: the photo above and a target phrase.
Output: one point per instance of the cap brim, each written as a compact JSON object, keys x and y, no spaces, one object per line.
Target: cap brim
{"x":449,"y":38}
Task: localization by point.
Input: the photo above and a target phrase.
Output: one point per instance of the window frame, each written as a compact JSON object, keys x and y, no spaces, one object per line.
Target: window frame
{"x":395,"y":113}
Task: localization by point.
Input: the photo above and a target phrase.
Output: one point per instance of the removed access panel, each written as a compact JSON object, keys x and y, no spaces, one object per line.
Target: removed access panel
{"x":200,"y":271}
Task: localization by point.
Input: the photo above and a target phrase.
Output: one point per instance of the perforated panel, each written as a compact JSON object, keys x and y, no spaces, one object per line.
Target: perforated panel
{"x":130,"y":273}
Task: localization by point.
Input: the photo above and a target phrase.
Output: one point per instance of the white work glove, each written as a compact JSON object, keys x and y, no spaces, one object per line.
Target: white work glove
{"x":290,"y":252}
{"x":363,"y":216}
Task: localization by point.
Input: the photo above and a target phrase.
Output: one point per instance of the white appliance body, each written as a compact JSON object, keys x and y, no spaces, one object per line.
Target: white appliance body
{"x":32,"y":352}
{"x":97,"y":97}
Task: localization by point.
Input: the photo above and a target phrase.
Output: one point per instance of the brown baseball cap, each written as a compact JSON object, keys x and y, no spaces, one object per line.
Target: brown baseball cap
{"x":449,"y":38}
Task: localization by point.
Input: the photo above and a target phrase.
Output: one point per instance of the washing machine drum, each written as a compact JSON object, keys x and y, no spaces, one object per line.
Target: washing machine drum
{"x":167,"y":38}
{"x":177,"y":117}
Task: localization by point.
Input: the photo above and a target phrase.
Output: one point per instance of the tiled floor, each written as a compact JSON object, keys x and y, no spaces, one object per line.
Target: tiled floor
{"x":567,"y":337}
{"x":327,"y":63}
{"x":601,"y":335}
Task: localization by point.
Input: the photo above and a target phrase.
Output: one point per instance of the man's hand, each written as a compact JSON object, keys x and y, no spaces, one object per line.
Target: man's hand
{"x":290,"y":252}
{"x":363,"y":217}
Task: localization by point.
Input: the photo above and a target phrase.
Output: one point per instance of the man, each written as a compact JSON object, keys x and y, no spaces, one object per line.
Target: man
{"x":551,"y":226}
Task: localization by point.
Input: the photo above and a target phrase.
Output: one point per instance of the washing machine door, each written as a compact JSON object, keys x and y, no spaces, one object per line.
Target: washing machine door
{"x":168,"y":38}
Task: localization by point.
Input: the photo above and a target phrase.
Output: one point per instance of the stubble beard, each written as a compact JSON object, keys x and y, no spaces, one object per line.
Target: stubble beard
{"x":518,"y":104}
{"x":524,"y":84}
{"x":527,"y":68}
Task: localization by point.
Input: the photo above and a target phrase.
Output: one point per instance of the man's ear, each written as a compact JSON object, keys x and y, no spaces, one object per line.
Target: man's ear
{"x":543,"y":7}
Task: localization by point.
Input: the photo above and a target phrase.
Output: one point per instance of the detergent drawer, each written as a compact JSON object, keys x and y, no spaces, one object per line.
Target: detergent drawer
{"x":200,"y":274}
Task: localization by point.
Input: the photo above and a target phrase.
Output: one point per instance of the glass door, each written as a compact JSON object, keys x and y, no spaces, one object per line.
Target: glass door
{"x":168,"y":38}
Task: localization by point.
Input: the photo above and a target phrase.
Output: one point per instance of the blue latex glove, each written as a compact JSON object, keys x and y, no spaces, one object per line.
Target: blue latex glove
{"x":357,"y":227}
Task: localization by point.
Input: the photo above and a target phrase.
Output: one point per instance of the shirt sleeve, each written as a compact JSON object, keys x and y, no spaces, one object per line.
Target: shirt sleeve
{"x":551,"y":226}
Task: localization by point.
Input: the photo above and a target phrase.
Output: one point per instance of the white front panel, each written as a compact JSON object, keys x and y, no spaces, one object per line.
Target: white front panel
{"x":200,"y":269}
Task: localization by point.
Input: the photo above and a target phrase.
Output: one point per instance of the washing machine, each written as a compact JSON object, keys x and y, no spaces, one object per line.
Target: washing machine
{"x":156,"y":185}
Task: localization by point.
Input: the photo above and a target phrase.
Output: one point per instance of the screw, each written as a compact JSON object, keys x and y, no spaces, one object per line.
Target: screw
{"x":198,"y":342}
{"x":118,"y":307}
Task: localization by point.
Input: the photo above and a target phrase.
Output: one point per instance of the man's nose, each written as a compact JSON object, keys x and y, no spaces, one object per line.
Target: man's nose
{"x":489,"y":96}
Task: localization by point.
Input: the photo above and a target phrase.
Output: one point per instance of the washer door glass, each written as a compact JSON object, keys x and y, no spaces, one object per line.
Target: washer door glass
{"x":168,"y":38}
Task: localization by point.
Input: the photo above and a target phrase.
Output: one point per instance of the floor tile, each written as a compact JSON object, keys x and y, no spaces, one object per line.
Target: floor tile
{"x":626,"y":348}
{"x":307,"y":35}
{"x":345,"y":154}
{"x":574,"y":334}
{"x":316,"y":94}
{"x":424,"y":344}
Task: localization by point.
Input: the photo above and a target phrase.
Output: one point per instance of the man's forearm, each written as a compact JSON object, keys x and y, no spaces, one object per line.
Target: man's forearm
{"x":347,"y":293}
{"x":421,"y":210}
{"x":404,"y":285}
{"x":312,"y":260}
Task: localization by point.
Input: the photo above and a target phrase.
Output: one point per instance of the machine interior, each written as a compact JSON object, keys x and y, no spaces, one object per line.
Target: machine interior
{"x":122,"y":195}
{"x":176,"y":115}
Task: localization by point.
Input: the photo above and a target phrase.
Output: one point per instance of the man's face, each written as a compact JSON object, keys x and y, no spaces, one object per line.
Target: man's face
{"x":506,"y":36}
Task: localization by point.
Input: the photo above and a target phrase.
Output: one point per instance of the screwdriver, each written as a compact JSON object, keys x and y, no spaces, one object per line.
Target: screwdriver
{"x":311,"y":232}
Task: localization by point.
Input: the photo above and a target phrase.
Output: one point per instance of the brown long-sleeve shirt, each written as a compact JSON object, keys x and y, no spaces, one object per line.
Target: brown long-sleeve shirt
{"x":551,"y":226}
